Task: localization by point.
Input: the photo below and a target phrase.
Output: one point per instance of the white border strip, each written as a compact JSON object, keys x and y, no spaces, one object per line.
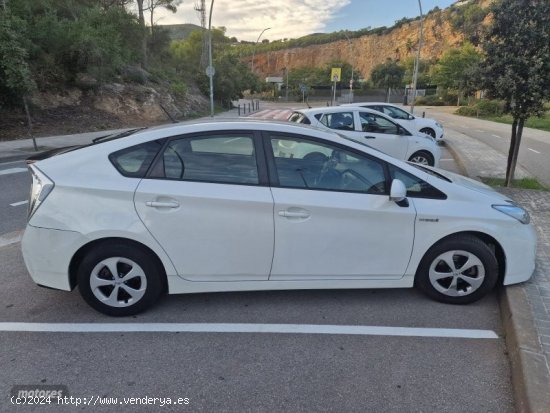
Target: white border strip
{"x":19,"y":203}
{"x":13,"y":171}
{"x":244,"y":328}
{"x":10,"y":238}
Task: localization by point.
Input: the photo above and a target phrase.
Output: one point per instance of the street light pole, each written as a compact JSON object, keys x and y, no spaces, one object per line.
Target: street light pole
{"x":351,"y":81}
{"x":210,"y":67}
{"x":417,"y":61}
{"x":254,"y":52}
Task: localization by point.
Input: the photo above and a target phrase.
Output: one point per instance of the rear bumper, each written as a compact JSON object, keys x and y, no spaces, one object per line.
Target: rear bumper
{"x":48,"y":253}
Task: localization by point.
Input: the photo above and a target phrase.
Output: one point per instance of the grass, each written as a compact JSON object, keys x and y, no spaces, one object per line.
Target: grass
{"x":534,"y":122}
{"x":525,"y":183}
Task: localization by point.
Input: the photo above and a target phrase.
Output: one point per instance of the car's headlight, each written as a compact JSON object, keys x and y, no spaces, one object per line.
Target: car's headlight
{"x":514,"y":211}
{"x":40,"y":189}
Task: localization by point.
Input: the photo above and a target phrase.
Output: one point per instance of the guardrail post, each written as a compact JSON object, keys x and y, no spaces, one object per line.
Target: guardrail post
{"x":239,"y":109}
{"x":423,"y":114}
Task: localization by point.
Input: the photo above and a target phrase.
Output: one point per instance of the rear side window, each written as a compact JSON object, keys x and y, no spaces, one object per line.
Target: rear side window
{"x":219,"y":158}
{"x":134,"y":162}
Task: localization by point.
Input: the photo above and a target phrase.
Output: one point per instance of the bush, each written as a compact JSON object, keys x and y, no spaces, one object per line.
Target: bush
{"x":430,"y":100}
{"x":482,"y":108}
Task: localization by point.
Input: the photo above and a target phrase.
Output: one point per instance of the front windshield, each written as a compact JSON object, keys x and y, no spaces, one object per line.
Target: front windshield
{"x":396,"y":113}
{"x":429,"y":171}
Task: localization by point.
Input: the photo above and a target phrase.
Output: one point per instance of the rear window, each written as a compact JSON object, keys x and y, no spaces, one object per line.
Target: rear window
{"x":298,"y":117}
{"x":134,"y":162}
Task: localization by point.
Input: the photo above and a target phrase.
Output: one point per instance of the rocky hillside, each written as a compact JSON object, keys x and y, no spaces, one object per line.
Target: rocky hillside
{"x":367,"y":51}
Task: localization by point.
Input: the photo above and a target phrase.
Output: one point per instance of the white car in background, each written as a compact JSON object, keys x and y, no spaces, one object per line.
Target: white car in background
{"x":423,"y":125}
{"x":251,"y":205}
{"x":374,"y":129}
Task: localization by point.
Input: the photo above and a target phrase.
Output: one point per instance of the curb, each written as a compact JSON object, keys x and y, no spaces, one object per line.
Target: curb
{"x":529,"y":371}
{"x":530,"y":379}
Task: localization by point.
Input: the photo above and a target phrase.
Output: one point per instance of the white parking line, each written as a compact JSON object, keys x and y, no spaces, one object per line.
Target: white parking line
{"x":446,"y":159}
{"x":10,"y":238}
{"x":19,"y":203}
{"x":496,"y":136}
{"x":532,"y":150}
{"x":245,"y":328}
{"x":13,"y":171}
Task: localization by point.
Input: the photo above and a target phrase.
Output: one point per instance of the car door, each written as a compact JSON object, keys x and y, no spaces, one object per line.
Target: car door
{"x":333,"y":217}
{"x":380,"y":133}
{"x":207,"y":203}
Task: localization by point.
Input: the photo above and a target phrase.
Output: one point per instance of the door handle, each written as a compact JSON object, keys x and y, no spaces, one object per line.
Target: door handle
{"x":294,"y":214}
{"x":158,"y":204}
{"x":370,"y":137}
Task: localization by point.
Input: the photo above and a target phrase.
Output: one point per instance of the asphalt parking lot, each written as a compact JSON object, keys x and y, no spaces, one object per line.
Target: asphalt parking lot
{"x":394,"y":369}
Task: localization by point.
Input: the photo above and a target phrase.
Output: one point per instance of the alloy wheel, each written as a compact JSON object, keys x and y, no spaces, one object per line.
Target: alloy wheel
{"x":456,"y":273}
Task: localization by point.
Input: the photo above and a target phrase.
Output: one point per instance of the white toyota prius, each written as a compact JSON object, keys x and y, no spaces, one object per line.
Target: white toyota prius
{"x":252,"y":205}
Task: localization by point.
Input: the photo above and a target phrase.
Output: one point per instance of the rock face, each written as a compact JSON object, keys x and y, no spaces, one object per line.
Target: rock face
{"x":365,"y":52}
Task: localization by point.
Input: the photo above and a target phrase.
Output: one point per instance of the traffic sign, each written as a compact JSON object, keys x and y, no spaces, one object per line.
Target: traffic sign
{"x":336,"y":74}
{"x":303,"y":88}
{"x":210,"y":71}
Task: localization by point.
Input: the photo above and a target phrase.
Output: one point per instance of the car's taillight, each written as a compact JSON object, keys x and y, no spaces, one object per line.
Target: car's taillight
{"x":40,"y":189}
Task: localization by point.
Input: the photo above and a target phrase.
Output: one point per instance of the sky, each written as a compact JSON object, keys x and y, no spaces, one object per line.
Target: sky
{"x":245,"y":19}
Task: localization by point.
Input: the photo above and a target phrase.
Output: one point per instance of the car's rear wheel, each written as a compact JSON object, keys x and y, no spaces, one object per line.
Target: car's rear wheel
{"x":428,"y":131}
{"x":458,"y":270}
{"x":422,"y":158}
{"x":119,"y":280}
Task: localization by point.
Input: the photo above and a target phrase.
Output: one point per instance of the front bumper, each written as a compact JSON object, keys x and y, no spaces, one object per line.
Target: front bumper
{"x":520,"y":249}
{"x":48,"y":253}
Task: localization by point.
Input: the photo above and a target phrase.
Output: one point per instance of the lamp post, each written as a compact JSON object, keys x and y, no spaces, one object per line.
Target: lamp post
{"x":351,"y":81}
{"x":210,"y":68}
{"x":254,"y":52}
{"x":417,"y":60}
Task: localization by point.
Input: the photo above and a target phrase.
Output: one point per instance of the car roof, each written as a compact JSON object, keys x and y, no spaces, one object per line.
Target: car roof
{"x":334,"y":109}
{"x":371,"y":104}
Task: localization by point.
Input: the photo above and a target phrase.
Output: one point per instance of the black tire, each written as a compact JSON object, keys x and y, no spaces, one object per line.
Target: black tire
{"x":417,"y":156}
{"x":151,"y":279}
{"x":428,"y":131}
{"x":467,"y":243}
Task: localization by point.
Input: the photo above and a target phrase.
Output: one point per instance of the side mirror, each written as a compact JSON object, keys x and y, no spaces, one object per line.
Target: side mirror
{"x":411,"y":117}
{"x":398,"y":191}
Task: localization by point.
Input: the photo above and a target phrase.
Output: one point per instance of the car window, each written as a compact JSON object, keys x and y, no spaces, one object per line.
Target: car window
{"x":395,"y":113}
{"x":416,"y":187}
{"x":219,"y":158}
{"x":339,"y":121}
{"x":377,"y":124}
{"x":135,"y":161}
{"x":298,"y":117}
{"x":312,"y":165}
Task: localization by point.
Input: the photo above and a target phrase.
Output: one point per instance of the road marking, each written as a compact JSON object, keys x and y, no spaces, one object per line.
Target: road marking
{"x":13,"y":171}
{"x":479,"y":130}
{"x":245,"y":328}
{"x":10,"y":238}
{"x":532,"y":150}
{"x":446,"y":159}
{"x":19,"y":203}
{"x":496,"y":136}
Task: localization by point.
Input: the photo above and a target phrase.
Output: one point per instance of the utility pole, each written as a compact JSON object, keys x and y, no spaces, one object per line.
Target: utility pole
{"x":417,"y":60}
{"x":210,"y":68}
{"x":351,"y":81}
{"x":254,"y":52}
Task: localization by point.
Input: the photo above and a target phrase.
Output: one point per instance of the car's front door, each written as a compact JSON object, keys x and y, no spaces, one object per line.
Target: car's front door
{"x":205,"y":203}
{"x":380,"y":133}
{"x":333,"y":217}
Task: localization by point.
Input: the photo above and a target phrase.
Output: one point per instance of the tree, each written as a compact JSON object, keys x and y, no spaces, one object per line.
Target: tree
{"x":152,"y":5}
{"x":455,"y":69}
{"x":388,"y":75}
{"x":516,"y":68}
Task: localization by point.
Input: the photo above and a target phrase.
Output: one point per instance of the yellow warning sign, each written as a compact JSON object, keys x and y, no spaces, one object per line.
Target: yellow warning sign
{"x":336,"y":74}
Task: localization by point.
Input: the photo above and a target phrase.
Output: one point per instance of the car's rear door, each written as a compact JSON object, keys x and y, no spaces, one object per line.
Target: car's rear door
{"x":207,"y":202}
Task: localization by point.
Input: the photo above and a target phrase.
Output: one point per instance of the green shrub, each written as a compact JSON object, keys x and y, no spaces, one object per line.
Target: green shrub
{"x":482,"y":108}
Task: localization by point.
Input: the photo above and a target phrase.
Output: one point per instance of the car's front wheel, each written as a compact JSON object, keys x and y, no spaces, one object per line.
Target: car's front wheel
{"x":119,"y":280}
{"x":422,"y":158}
{"x":458,"y":270}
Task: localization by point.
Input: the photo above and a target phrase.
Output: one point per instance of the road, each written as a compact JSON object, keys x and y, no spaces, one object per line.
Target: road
{"x":256,"y":372}
{"x":534,"y":153}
